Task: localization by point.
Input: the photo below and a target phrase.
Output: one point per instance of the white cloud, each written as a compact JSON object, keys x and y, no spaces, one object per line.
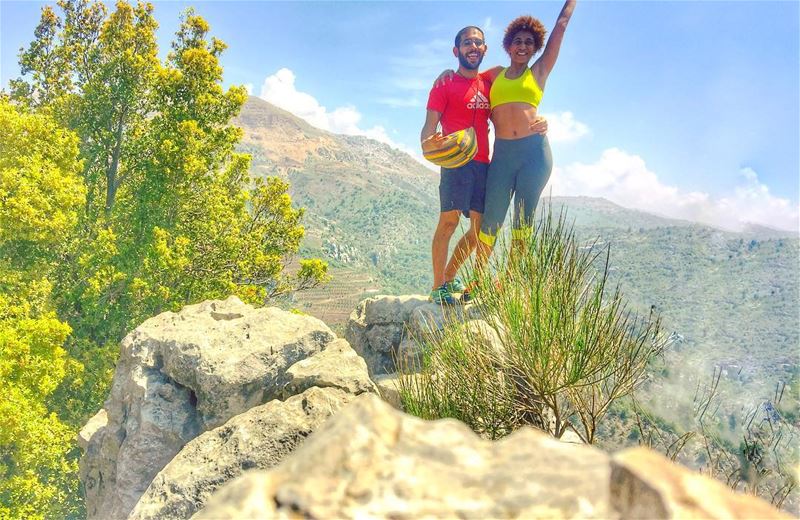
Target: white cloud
{"x":249,"y":88}
{"x":564,"y":128}
{"x":279,"y":89}
{"x":624,"y":179}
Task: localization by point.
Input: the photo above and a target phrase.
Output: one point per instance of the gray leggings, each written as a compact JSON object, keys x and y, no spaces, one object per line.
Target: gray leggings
{"x":519,"y":167}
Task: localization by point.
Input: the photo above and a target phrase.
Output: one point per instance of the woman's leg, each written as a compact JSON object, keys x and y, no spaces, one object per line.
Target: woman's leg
{"x":530,"y":183}
{"x":500,"y":186}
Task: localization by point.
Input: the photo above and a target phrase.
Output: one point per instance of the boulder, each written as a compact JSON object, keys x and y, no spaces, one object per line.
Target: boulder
{"x":384,"y":329}
{"x":337,"y":366}
{"x":646,"y":484}
{"x":261,"y":437}
{"x":180,"y":374}
{"x":390,"y":385}
{"x":371,"y":461}
{"x":377,"y":326}
{"x":258,"y":438}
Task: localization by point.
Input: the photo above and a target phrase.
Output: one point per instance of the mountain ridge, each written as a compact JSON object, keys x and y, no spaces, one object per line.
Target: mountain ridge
{"x":294,"y":138}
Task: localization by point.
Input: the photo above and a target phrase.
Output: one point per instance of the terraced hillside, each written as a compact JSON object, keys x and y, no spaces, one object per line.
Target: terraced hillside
{"x":368,"y":207}
{"x":333,"y":302}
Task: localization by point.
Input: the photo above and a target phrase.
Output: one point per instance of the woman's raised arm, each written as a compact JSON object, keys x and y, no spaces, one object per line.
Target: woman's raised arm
{"x":541,"y":68}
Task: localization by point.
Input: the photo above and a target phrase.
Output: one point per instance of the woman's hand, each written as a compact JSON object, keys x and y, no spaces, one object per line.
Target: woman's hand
{"x":542,"y":67}
{"x":433,"y":142}
{"x":539,"y":126}
{"x":445,"y":77}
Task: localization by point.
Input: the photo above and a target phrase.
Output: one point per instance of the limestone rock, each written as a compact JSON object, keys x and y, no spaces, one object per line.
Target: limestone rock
{"x":378,"y":326}
{"x":432,"y":317}
{"x":338,"y":366}
{"x":258,"y":438}
{"x":385,"y":329}
{"x":645,"y":484}
{"x":96,"y":423}
{"x":389,"y":387}
{"x":180,"y":374}
{"x":371,"y":461}
{"x":391,"y":309}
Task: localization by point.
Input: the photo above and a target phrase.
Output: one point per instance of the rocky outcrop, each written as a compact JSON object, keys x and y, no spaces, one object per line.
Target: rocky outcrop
{"x":317,"y":387}
{"x":180,"y":374}
{"x":258,"y":438}
{"x":226,"y":411}
{"x":384,"y":329}
{"x":371,"y":461}
{"x":645,"y":484}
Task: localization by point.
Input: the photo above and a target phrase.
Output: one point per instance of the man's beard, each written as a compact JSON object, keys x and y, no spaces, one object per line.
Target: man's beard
{"x":464,"y":62}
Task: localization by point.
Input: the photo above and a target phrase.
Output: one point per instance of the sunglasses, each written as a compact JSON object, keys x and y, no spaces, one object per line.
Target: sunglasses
{"x":469,"y":42}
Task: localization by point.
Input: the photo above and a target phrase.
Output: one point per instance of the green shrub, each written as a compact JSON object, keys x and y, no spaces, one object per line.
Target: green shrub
{"x":564,"y":346}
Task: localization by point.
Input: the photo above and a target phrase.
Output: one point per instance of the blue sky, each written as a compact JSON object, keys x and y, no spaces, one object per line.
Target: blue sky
{"x":687,"y":109}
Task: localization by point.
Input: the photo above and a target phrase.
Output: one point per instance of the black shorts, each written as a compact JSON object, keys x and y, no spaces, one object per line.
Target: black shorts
{"x":463,"y":188}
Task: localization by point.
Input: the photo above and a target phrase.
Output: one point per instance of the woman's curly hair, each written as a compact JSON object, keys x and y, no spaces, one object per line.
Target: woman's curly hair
{"x":525,"y":23}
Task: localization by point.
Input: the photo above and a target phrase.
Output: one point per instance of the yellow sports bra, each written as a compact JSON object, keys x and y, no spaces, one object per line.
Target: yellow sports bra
{"x":523,"y":89}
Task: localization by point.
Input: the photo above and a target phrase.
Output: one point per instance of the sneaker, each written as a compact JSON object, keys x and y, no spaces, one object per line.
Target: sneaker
{"x":455,"y":286}
{"x":442,"y":296}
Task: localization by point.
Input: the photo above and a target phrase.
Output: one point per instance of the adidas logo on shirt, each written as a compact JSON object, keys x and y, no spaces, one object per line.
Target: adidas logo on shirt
{"x":478,"y":102}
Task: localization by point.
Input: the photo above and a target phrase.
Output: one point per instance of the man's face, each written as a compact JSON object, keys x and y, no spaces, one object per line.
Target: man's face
{"x":471,"y":50}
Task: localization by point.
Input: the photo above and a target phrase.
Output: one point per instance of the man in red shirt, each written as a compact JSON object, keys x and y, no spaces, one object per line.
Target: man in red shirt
{"x":458,"y":104}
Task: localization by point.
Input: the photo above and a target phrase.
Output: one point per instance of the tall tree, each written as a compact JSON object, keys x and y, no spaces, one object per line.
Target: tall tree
{"x":171,"y":214}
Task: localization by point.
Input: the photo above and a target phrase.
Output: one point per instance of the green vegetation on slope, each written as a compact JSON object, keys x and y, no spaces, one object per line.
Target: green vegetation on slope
{"x":122,"y":196}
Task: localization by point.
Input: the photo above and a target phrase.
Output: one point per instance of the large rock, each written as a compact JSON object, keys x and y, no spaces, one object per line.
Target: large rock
{"x":258,"y":438}
{"x":646,"y":484}
{"x":180,"y":374}
{"x":261,"y":437}
{"x":371,"y":461}
{"x":384,"y":329}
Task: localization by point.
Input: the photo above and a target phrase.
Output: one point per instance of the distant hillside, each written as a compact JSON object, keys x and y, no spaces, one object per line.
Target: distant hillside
{"x":732,"y":297}
{"x":368,"y":206}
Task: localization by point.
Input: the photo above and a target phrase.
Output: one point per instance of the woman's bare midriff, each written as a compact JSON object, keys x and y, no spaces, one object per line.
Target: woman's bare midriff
{"x":513,"y":120}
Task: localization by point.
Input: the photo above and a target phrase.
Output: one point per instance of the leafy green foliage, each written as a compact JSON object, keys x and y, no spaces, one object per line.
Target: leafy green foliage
{"x":142,"y":206}
{"x":171,"y":216}
{"x":40,"y":195}
{"x":41,"y":189}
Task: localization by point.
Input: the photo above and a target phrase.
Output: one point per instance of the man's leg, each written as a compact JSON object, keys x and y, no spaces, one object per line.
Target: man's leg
{"x":464,"y":247}
{"x":448,"y":221}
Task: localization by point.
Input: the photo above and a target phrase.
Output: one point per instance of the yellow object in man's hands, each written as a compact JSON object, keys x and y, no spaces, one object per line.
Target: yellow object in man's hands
{"x":451,"y":151}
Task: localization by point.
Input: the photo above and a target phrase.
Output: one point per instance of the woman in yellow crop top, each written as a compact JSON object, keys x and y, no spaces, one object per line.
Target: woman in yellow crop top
{"x":522,"y":160}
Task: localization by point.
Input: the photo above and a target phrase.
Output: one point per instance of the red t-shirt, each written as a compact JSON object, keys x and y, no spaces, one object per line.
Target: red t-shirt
{"x":460,"y":101}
